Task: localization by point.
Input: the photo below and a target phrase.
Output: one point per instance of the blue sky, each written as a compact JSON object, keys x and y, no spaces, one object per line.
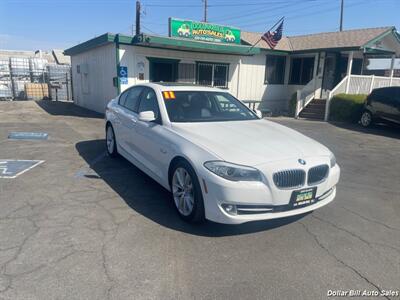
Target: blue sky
{"x":48,"y":24}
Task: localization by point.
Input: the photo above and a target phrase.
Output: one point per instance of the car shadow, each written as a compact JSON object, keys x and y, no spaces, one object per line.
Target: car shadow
{"x":66,"y":108}
{"x":147,"y":197}
{"x":381,"y":129}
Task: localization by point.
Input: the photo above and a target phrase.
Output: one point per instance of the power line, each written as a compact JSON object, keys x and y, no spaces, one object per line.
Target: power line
{"x":251,"y":13}
{"x":238,"y":16}
{"x":277,"y":14}
{"x":326,"y":10}
{"x":256,"y":12}
{"x":222,"y":5}
{"x":151,"y":31}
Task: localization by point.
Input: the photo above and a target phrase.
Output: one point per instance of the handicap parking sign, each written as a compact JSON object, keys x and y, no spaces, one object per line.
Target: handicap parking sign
{"x":123,"y":74}
{"x":12,"y":168}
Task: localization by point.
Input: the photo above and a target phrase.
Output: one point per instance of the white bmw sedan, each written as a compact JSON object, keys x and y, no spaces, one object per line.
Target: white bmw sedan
{"x":219,"y":159}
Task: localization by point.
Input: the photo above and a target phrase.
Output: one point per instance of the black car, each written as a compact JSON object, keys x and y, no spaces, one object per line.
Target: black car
{"x":382,"y":104}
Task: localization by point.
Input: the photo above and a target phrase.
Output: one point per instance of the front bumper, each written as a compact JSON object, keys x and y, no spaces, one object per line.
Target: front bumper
{"x":259,"y":200}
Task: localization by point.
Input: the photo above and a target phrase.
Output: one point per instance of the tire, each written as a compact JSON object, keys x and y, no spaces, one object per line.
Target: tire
{"x":366,"y":119}
{"x":186,"y":193}
{"x":111,"y":143}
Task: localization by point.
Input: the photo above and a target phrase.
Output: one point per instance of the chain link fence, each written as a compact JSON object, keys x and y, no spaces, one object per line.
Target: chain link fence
{"x":34,"y":79}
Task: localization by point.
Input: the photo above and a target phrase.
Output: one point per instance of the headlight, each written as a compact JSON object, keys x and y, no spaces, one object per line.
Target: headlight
{"x":233,"y":172}
{"x":333,"y":160}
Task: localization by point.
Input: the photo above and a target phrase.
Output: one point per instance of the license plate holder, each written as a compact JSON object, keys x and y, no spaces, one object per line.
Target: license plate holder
{"x":303,"y":197}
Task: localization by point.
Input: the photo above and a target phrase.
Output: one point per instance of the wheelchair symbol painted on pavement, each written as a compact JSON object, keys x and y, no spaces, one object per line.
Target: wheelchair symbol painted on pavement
{"x":12,"y":168}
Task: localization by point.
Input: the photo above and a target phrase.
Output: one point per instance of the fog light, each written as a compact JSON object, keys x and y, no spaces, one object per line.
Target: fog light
{"x":230,"y":208}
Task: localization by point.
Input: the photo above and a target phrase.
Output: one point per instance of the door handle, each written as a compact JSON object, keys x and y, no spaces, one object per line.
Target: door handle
{"x":133,"y":120}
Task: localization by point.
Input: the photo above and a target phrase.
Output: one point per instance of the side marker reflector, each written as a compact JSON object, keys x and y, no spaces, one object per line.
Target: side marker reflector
{"x":205,"y":186}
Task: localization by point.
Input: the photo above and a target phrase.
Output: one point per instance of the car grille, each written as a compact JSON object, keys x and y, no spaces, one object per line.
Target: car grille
{"x":317,"y":174}
{"x":289,"y":178}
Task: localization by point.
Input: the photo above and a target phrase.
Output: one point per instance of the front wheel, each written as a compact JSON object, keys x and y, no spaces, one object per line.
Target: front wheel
{"x":186,"y":192}
{"x":366,"y":119}
{"x":111,"y":144}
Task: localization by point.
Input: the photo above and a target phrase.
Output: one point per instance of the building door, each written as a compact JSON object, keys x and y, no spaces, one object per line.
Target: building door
{"x":329,"y":77}
{"x":163,"y":70}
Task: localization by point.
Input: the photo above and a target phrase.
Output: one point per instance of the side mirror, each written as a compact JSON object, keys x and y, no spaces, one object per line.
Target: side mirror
{"x":147,"y":116}
{"x":258,"y":113}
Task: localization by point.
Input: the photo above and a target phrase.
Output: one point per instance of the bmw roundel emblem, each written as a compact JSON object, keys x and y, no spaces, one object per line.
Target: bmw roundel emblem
{"x":301,"y":161}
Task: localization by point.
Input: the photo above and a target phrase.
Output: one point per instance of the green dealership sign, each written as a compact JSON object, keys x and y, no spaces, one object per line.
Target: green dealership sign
{"x":203,"y":31}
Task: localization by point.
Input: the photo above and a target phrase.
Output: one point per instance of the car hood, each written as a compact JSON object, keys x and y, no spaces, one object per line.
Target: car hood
{"x":250,"y":143}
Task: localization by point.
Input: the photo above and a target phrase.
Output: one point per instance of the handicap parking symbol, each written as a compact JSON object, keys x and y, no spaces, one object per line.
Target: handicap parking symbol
{"x":12,"y":168}
{"x":123,"y":74}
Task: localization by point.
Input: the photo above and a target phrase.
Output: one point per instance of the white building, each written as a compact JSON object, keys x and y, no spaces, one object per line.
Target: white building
{"x":312,"y":66}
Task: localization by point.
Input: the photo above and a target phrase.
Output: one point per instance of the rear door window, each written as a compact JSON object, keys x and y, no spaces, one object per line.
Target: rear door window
{"x":122,"y":98}
{"x":377,"y":95}
{"x":380,"y":95}
{"x":389,"y":96}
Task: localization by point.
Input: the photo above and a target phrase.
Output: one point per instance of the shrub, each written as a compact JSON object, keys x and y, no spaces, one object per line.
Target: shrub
{"x":346,"y":107}
{"x":292,"y":104}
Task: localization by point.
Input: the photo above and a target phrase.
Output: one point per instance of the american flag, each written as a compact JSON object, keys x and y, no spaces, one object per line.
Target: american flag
{"x":273,"y":38}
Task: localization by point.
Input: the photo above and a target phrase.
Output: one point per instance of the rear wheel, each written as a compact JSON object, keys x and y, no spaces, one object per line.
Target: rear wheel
{"x":111,"y":144}
{"x":366,"y":119}
{"x":186,"y":192}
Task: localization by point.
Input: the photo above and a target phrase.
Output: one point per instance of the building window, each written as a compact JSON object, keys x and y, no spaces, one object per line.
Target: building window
{"x":212,"y":74}
{"x":275,"y":69}
{"x":186,"y":72}
{"x":301,"y":70}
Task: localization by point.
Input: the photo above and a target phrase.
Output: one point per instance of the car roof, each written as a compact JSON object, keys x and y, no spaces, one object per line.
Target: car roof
{"x":174,"y":86}
{"x":387,"y":88}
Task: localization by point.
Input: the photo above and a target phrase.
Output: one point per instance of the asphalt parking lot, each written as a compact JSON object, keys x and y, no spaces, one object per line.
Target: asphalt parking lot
{"x":82,"y":225}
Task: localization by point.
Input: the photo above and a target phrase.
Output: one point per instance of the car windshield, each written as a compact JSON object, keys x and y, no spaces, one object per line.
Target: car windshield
{"x":202,"y":106}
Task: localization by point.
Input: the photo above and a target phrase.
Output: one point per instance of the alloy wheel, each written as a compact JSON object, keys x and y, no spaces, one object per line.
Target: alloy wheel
{"x":182,"y":191}
{"x":110,"y":140}
{"x":366,"y":119}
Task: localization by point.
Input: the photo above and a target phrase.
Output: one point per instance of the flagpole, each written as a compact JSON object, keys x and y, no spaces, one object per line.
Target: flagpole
{"x":266,"y":31}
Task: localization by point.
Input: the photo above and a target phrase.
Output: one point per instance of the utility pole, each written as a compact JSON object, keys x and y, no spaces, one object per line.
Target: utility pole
{"x":341,"y":15}
{"x":137,"y":17}
{"x":205,"y":10}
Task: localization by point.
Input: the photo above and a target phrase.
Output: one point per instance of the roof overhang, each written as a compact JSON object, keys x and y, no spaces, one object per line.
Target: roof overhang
{"x":153,"y":41}
{"x":90,"y":44}
{"x":370,"y":46}
{"x":275,"y":51}
{"x":332,"y":49}
{"x":188,"y":45}
{"x":378,"y":51}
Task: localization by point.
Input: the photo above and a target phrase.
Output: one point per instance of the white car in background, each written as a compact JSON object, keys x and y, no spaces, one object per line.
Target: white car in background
{"x":218,"y":158}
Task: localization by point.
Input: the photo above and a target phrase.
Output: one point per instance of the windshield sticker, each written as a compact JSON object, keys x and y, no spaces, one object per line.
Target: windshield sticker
{"x":169,"y":95}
